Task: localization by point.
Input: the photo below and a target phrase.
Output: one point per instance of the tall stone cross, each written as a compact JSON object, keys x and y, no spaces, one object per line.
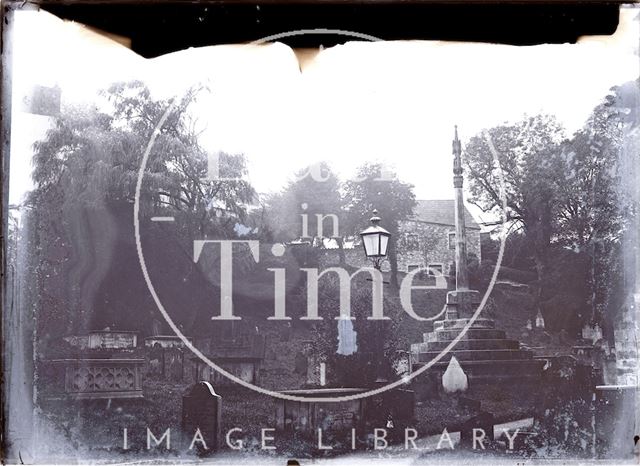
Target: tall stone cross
{"x":462,"y":273}
{"x":461,"y":302}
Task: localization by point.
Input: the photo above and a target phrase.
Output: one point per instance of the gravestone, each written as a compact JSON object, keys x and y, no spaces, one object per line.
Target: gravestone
{"x":484,"y":421}
{"x":173,"y":364}
{"x":201,"y":409}
{"x":166,"y":357}
{"x":329,"y":416}
{"x":155,"y":361}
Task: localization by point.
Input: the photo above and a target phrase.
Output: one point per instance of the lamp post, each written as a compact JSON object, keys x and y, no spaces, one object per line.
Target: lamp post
{"x":375,"y":240}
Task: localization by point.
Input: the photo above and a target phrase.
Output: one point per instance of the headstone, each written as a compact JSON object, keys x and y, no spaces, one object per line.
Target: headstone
{"x":166,"y":358}
{"x":201,"y":409}
{"x":310,"y":416}
{"x":173,"y":362}
{"x":154,"y":361}
{"x":484,"y":421}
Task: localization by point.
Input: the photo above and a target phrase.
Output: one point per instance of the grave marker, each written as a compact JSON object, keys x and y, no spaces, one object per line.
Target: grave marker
{"x":201,"y":409}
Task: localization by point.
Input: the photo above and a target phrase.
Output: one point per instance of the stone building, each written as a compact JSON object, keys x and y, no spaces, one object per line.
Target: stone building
{"x":428,"y":238}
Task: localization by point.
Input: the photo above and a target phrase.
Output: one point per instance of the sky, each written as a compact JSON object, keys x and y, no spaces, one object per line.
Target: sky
{"x":395,"y":102}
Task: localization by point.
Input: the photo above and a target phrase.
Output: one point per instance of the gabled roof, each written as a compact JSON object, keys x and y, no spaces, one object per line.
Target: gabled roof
{"x":441,"y":212}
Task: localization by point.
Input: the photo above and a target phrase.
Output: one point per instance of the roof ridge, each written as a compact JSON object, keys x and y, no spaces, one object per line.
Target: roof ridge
{"x":441,"y":211}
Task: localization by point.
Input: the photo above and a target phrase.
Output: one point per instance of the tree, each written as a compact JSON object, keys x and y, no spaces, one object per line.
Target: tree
{"x":393,"y":199}
{"x":528,"y":158}
{"x":564,"y":194}
{"x":298,"y":207}
{"x":524,"y":158}
{"x":593,"y":210}
{"x":376,"y":340}
{"x":85,"y":173}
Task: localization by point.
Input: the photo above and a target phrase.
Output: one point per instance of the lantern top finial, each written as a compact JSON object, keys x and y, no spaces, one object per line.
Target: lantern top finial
{"x":375,"y":219}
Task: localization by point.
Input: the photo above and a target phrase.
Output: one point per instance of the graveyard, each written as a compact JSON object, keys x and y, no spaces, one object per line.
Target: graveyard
{"x":496,"y":380}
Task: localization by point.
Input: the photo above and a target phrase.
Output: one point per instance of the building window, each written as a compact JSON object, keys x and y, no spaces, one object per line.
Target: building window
{"x":432,"y":269}
{"x":411,"y":268}
{"x":412,"y":241}
{"x":452,"y":240}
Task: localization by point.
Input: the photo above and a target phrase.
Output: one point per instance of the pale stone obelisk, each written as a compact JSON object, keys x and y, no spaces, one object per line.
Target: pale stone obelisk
{"x":462,"y":302}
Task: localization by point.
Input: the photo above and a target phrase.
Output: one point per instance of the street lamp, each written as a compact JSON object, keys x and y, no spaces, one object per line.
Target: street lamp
{"x":375,"y":240}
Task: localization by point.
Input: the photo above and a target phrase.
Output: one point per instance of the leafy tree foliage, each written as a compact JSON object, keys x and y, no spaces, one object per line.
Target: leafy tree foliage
{"x":376,"y":340}
{"x":523,"y":159}
{"x":565,"y":195}
{"x":373,"y":189}
{"x":85,"y":174}
{"x":315,"y":191}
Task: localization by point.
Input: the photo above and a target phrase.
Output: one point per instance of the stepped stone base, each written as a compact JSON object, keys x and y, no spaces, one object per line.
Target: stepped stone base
{"x":478,"y":355}
{"x":471,"y":334}
{"x":461,"y":323}
{"x":465,"y":345}
{"x":484,"y":352}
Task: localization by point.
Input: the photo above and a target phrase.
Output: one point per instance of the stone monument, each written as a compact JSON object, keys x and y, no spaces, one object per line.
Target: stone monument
{"x":484,"y":352}
{"x":202,"y":411}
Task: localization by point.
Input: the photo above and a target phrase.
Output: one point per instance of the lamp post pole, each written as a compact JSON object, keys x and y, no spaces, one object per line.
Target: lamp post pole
{"x":375,"y":241}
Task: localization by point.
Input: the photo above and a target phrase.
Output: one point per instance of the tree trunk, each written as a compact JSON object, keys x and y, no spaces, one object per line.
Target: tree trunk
{"x":538,"y":227}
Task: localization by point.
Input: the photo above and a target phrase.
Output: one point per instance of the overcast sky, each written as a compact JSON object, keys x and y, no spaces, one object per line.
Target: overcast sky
{"x":387,"y":101}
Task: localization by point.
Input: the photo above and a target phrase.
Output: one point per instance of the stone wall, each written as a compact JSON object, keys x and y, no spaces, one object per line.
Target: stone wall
{"x":421,"y":244}
{"x":354,"y":257}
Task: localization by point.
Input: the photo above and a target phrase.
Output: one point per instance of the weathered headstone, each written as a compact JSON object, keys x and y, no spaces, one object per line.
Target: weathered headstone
{"x":479,"y":427}
{"x":173,"y":364}
{"x":201,"y":409}
{"x":166,"y":357}
{"x":310,"y":416}
{"x":155,"y":362}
